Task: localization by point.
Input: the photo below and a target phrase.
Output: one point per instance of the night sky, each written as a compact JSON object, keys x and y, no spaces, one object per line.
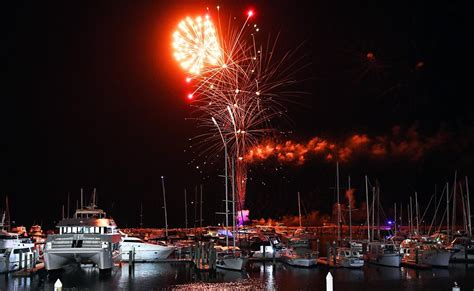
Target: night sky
{"x":93,"y":98}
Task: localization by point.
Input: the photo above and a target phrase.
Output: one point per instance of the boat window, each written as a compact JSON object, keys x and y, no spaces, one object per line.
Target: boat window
{"x":2,"y":251}
{"x":347,"y":253}
{"x":97,"y":229}
{"x":74,"y":229}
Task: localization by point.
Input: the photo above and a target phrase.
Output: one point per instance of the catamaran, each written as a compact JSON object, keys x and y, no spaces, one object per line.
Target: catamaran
{"x":90,"y":237}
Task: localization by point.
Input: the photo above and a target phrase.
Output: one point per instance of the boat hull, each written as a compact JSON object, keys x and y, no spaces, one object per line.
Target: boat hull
{"x":389,"y":260}
{"x":231,"y":263}
{"x":148,"y":255}
{"x":55,"y":259}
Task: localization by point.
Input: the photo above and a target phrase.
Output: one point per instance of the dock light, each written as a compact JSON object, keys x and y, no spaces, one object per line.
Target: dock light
{"x":390,"y":222}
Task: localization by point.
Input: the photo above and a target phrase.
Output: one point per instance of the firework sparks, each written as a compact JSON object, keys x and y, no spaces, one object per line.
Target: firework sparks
{"x":236,"y":82}
{"x":195,"y":44}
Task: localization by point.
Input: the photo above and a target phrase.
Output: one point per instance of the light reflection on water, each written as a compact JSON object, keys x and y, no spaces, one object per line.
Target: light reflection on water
{"x":181,"y":276}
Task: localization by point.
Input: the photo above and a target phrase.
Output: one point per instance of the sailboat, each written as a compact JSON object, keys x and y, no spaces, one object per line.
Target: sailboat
{"x":299,"y":240}
{"x":230,"y":258}
{"x":384,"y":253}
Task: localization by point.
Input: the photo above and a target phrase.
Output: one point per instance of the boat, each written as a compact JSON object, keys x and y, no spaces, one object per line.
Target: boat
{"x":384,"y":253}
{"x":230,"y":258}
{"x":423,"y":254}
{"x":343,"y":257}
{"x":90,"y":237}
{"x":15,"y":252}
{"x":307,"y":260}
{"x":144,"y":251}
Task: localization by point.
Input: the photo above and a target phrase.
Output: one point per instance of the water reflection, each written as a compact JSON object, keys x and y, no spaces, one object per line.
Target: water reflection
{"x":258,"y":276}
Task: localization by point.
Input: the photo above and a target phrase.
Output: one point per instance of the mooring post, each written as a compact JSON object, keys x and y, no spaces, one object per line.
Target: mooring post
{"x":21,"y":261}
{"x":58,"y":285}
{"x":334,"y":253}
{"x":329,"y":282}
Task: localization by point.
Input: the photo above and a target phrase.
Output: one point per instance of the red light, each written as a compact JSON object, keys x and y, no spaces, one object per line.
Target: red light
{"x":190,"y":96}
{"x":188,"y":80}
{"x":250,"y":13}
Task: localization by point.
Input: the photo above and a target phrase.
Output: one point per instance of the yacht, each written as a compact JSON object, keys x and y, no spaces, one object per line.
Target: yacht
{"x":15,"y":252}
{"x":230,"y":258}
{"x":307,"y":260}
{"x":424,"y":254}
{"x":343,"y":257}
{"x":90,"y":237}
{"x":384,"y":253}
{"x":144,"y":251}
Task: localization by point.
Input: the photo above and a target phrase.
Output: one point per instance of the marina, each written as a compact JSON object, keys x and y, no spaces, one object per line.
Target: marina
{"x":241,"y":145}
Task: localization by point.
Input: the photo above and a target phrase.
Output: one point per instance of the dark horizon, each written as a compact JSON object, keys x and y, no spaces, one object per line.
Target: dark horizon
{"x":94,"y":99}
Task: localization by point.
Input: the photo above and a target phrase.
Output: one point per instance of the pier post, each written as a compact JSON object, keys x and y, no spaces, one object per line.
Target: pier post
{"x":329,"y":282}
{"x":456,"y":287}
{"x":20,"y":263}
{"x":416,"y":256}
{"x":334,"y":253}
{"x":58,"y":285}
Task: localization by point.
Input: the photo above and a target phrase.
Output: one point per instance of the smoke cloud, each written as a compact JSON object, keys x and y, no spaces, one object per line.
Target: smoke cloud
{"x":407,"y":143}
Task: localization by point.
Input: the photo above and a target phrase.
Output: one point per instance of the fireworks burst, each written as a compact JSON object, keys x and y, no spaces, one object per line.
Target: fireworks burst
{"x":237,"y":86}
{"x":195,"y":44}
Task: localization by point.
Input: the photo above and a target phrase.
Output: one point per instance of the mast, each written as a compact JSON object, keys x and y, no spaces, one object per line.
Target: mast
{"x":62,"y":212}
{"x":350,"y":207}
{"x":367,"y":207}
{"x":226,"y":201}
{"x":93,"y":199}
{"x":417,"y":214}
{"x":401,"y":216}
{"x":68,"y":205}
{"x":468,"y":209}
{"x":299,"y":208}
{"x":200,"y":209}
{"x":185,"y":210}
{"x":453,"y":228}
{"x":164,"y":203}
{"x":395,"y":220}
{"x":141,"y":214}
{"x":7,"y":215}
{"x":82,"y":198}
{"x":378,"y":210}
{"x":373,"y":213}
{"x":195,"y":206}
{"x":447,"y":209}
{"x":233,"y":204}
{"x":338,"y":205}
{"x":464,"y":216}
{"x":411,"y":216}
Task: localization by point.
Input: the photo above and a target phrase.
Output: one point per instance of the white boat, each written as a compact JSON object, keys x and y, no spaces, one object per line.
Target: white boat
{"x":230,"y":261}
{"x":15,"y":252}
{"x":423,"y":254}
{"x":230,"y":258}
{"x":385,"y":254}
{"x":144,"y":251}
{"x":292,"y":258}
{"x":343,"y":258}
{"x":90,"y":237}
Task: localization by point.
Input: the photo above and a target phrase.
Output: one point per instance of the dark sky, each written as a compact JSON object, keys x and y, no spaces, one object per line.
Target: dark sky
{"x":93,"y":98}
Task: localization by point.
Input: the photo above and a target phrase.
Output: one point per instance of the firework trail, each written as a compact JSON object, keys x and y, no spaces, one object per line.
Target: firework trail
{"x":234,"y":80}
